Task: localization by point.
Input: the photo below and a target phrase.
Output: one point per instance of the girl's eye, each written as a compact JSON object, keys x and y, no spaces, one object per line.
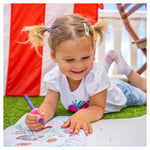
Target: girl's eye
{"x":86,"y":57}
{"x":69,"y":60}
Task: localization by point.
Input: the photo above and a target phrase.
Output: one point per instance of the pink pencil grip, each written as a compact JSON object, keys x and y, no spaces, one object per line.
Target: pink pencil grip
{"x":37,"y":111}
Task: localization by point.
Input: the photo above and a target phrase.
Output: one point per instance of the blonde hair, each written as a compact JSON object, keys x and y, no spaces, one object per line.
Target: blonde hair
{"x":65,"y":27}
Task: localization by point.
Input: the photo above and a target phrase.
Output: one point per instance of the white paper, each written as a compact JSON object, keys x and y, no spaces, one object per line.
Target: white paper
{"x":119,"y":132}
{"x":20,"y":135}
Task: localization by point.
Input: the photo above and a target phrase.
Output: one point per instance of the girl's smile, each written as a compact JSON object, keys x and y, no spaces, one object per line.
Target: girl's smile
{"x":78,"y":72}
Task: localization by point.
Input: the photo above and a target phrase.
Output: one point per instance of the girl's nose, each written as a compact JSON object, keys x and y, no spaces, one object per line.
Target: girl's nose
{"x":78,"y":65}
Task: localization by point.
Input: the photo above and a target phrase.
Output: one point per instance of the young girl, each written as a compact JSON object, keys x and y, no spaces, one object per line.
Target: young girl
{"x":82,"y":84}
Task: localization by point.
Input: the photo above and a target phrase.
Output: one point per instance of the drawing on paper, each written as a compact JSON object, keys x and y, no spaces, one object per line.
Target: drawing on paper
{"x":51,"y":135}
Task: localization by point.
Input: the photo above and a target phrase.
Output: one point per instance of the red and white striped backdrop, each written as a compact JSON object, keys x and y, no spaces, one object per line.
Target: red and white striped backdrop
{"x":23,"y":68}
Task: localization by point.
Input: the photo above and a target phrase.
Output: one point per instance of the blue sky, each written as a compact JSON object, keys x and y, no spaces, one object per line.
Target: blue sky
{"x":112,"y":6}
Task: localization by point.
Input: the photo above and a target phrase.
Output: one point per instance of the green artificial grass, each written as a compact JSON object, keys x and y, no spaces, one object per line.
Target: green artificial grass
{"x":16,"y":107}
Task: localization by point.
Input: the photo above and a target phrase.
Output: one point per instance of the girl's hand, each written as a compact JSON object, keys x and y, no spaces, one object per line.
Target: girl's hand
{"x":77,"y":121}
{"x":32,"y":123}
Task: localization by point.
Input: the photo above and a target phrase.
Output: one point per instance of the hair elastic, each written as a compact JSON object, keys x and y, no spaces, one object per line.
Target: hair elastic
{"x":48,"y":29}
{"x":86,"y":29}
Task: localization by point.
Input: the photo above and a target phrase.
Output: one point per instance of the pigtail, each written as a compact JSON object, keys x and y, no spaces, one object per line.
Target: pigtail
{"x":101,"y":28}
{"x":36,"y":36}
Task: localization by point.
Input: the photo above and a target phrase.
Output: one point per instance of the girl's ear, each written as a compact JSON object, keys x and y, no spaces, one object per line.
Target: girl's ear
{"x":53,"y":56}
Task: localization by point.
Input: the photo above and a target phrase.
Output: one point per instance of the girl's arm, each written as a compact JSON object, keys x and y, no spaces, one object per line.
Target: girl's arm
{"x":84,"y":117}
{"x":97,"y":106}
{"x":47,"y":108}
{"x":49,"y":105}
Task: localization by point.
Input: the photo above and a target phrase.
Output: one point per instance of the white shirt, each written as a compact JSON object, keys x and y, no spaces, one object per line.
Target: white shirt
{"x":93,"y":82}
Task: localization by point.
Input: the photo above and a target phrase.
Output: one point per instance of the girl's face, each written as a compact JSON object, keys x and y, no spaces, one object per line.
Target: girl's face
{"x":74,"y":57}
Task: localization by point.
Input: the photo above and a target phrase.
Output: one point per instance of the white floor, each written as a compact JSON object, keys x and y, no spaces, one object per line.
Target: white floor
{"x":119,"y":132}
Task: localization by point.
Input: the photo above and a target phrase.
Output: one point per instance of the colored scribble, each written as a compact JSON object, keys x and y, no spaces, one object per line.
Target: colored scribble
{"x":100,"y":129}
{"x":20,"y":132}
{"x":51,"y":140}
{"x":23,"y":144}
{"x":73,"y":134}
{"x":29,"y":137}
{"x":47,"y":127}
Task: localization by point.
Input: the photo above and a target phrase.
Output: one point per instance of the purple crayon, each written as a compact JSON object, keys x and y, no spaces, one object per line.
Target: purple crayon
{"x":34,"y":110}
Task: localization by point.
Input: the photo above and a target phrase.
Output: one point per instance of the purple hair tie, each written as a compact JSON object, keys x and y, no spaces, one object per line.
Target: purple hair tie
{"x":48,"y":29}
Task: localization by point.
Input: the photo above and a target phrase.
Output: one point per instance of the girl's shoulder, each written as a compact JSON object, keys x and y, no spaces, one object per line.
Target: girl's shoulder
{"x":51,"y":79}
{"x":96,"y":80}
{"x":53,"y":74}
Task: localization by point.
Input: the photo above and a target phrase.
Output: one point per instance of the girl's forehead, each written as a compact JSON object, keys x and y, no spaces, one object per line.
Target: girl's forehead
{"x":76,"y":47}
{"x":77,"y":43}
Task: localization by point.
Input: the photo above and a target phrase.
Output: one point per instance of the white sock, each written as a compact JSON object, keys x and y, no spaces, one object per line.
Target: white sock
{"x":123,"y":67}
{"x":109,"y":59}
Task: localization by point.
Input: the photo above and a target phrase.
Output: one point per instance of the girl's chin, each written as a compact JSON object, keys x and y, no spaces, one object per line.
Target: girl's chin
{"x":76,"y":77}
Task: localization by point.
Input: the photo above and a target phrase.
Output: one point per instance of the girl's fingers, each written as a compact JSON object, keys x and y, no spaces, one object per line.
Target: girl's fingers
{"x":43,"y":114}
{"x":32,"y":116}
{"x":32,"y":123}
{"x":87,"y":128}
{"x":32,"y":119}
{"x":72,"y":127}
{"x":77,"y":128}
{"x":36,"y":126}
{"x":66,"y":124}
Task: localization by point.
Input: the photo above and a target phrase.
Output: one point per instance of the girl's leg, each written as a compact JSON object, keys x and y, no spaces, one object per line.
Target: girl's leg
{"x":123,"y":67}
{"x":134,"y":78}
{"x":109,"y":59}
{"x":135,"y":96}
